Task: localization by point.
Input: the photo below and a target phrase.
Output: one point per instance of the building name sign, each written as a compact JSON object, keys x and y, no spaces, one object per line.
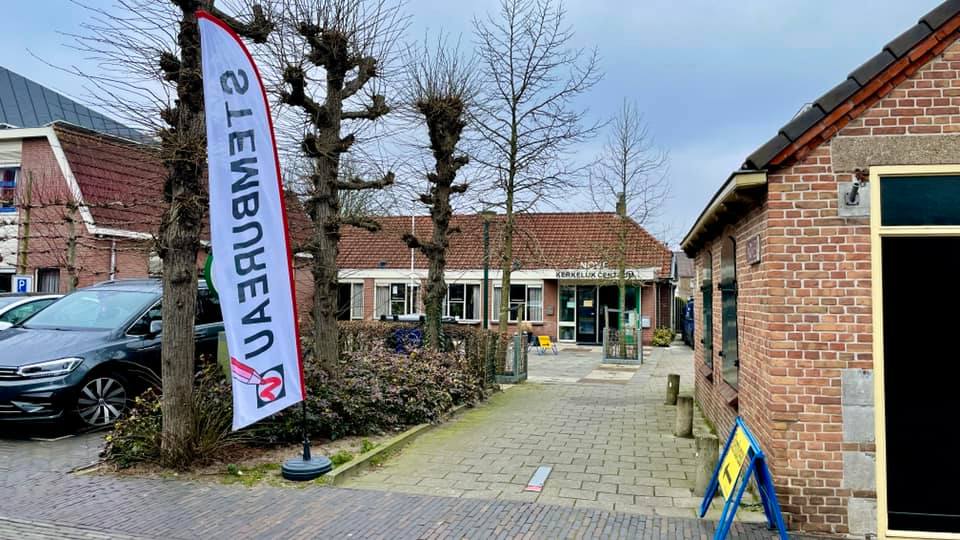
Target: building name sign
{"x":596,"y":274}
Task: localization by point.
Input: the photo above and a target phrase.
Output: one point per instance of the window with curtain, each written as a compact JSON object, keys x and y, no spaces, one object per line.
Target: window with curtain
{"x":412,"y":304}
{"x":382,"y":301}
{"x":526,"y":302}
{"x":356,"y":301}
{"x":463,"y":301}
{"x":534,"y":304}
{"x":728,"y":302}
{"x":474,"y":303}
{"x":48,"y":280}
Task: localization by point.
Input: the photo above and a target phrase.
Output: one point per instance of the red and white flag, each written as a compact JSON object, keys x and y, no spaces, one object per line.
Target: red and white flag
{"x":252,"y":268}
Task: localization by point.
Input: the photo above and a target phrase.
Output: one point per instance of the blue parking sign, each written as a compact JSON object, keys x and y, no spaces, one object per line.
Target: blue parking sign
{"x":22,"y":284}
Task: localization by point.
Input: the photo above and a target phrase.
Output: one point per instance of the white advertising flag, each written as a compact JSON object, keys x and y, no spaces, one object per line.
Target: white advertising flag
{"x":251,"y":250}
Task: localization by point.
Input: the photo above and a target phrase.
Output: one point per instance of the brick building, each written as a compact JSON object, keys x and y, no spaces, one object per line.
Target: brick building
{"x":808,"y":312}
{"x":85,"y":207}
{"x":564,"y":272}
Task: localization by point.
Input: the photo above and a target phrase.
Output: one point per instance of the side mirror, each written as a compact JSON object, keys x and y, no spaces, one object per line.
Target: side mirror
{"x":4,"y":325}
{"x":156,"y":327}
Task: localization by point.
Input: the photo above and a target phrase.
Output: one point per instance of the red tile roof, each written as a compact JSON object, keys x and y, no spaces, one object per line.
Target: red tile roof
{"x":121,"y":182}
{"x":542,"y":241}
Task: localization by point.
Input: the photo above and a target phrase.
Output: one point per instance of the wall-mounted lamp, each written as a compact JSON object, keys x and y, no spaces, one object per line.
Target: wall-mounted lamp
{"x":854,"y":197}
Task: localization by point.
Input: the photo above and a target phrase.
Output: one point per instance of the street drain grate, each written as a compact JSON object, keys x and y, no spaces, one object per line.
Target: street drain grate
{"x":538,"y":479}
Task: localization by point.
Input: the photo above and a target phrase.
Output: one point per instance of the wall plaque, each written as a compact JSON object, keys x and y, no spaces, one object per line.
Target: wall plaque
{"x":753,"y":249}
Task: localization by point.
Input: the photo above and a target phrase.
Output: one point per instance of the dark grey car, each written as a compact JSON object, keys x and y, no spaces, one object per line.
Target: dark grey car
{"x":86,"y":355}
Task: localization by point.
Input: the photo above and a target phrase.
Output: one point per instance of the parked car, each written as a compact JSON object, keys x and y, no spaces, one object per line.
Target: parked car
{"x":89,"y":353}
{"x":17,"y":307}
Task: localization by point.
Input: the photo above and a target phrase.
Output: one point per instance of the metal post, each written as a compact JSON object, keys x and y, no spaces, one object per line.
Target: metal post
{"x":486,"y":273}
{"x":306,"y":436}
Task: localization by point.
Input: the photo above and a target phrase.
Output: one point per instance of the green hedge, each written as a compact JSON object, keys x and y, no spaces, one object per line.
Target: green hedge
{"x":376,"y":391}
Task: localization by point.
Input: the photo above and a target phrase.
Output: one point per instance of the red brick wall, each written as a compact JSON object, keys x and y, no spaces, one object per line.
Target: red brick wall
{"x":713,"y":393}
{"x":665,"y":298}
{"x":648,"y":308}
{"x":805,"y":310}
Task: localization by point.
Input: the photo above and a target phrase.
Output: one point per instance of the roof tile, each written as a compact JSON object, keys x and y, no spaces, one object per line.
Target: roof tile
{"x":544,"y":241}
{"x":939,"y":15}
{"x":838,"y":94}
{"x":902,"y":44}
{"x":802,"y":122}
{"x":762,"y":156}
{"x":872,"y":67}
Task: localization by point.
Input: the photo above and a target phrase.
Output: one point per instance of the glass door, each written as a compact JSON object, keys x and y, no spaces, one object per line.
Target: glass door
{"x":586,"y":314}
{"x":568,"y":314}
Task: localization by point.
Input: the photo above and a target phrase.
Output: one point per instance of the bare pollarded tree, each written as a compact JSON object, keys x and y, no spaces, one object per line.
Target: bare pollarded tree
{"x":441,"y":87}
{"x":149,"y":54}
{"x":329,"y":54}
{"x":531,"y":74}
{"x":630,"y":175}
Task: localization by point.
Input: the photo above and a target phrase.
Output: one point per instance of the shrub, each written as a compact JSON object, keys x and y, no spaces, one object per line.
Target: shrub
{"x":662,"y":337}
{"x":376,"y":391}
{"x":137,"y":437}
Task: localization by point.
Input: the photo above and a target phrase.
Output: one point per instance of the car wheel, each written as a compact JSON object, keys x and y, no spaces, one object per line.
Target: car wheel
{"x":102,"y":400}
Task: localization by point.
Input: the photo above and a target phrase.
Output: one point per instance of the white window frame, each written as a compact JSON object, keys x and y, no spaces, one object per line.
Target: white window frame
{"x":495,"y":315}
{"x":377,"y":287}
{"x":408,"y":287}
{"x":561,"y":324}
{"x":353,"y":295}
{"x":466,"y":295}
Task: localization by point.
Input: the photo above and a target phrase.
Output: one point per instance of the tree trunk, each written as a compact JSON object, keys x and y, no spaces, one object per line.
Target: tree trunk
{"x":326,"y":233}
{"x":72,"y":274}
{"x":24,"y":244}
{"x":180,"y":242}
{"x":622,"y":272}
{"x":326,"y":239}
{"x":506,"y":266}
{"x":437,"y":255}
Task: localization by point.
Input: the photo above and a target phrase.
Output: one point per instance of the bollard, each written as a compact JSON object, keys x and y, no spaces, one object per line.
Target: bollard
{"x":708,"y":452}
{"x":684,"y":425}
{"x":673,"y":388}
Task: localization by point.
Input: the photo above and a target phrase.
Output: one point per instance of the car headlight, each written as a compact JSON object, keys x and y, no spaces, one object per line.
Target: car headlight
{"x":51,"y":368}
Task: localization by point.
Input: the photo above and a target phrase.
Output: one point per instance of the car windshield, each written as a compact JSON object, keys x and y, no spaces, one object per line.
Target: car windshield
{"x":92,"y":310}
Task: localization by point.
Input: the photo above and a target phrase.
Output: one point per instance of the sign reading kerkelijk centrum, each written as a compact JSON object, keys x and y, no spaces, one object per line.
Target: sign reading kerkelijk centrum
{"x":251,"y":267}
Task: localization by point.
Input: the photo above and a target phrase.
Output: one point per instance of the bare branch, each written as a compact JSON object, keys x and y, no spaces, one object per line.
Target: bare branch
{"x":358,"y":184}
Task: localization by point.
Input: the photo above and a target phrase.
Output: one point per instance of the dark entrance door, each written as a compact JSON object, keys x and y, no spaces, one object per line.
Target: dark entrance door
{"x":608,"y":297}
{"x":586,"y":314}
{"x":921,"y":293}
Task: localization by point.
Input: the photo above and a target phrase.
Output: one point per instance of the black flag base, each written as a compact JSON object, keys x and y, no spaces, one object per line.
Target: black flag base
{"x":303,"y":470}
{"x":306,"y":468}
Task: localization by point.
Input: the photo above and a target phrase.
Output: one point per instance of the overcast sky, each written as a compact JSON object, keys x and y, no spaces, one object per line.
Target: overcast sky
{"x":715,"y":79}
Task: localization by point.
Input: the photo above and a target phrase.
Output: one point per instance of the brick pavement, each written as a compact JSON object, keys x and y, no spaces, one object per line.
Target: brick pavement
{"x":41,"y":498}
{"x":610,"y":443}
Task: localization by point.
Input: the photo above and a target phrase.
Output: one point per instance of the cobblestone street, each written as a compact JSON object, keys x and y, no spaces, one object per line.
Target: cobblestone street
{"x":591,"y":426}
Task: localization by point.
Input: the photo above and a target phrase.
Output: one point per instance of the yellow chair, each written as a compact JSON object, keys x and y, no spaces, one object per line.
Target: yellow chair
{"x":544,"y":343}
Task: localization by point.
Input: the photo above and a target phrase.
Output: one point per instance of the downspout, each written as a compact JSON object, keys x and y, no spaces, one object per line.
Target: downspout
{"x":113,"y":259}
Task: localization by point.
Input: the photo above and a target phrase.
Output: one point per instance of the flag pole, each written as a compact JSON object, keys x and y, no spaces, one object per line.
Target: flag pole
{"x":306,"y":438}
